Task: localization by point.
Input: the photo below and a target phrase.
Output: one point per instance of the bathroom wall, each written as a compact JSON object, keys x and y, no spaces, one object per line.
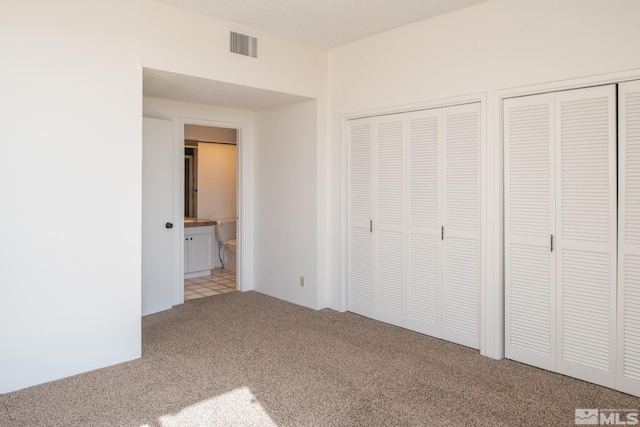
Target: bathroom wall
{"x":217,"y":170}
{"x":217,"y":180}
{"x":217,"y":184}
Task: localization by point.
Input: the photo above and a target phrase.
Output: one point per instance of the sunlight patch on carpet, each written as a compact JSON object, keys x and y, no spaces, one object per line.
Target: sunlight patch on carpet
{"x":238,"y":407}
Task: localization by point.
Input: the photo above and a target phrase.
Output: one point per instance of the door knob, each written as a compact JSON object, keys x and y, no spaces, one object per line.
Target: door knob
{"x":168,"y":225}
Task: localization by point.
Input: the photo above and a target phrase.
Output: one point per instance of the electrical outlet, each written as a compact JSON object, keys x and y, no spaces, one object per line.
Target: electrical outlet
{"x":302,"y":281}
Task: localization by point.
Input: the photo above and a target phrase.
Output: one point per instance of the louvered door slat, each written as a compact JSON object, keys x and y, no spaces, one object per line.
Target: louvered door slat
{"x":529,"y":221}
{"x":360,"y":271}
{"x":585,"y":127}
{"x":461,"y":218}
{"x":359,"y":246}
{"x":586,"y":301}
{"x":423,"y":153}
{"x":389,"y":218}
{"x":628,"y":366}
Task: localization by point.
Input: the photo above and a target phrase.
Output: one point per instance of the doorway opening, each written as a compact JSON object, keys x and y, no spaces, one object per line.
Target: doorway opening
{"x":210,"y":210}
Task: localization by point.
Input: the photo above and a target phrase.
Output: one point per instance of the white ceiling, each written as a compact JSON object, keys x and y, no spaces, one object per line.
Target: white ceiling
{"x":179,"y":87}
{"x":323,"y":23}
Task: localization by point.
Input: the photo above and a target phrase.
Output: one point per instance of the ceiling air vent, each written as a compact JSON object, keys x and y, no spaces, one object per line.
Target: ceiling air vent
{"x":244,"y":45}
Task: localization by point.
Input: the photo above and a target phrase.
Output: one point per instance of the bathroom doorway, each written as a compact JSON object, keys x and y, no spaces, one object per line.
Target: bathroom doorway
{"x":210,"y":210}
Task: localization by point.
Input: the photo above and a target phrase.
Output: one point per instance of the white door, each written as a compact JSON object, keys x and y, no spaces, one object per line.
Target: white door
{"x":461,"y":222}
{"x":157,"y":206}
{"x":560,"y":232}
{"x":529,"y":211}
{"x":628,"y":366}
{"x":424,"y":296}
{"x":388,"y":219}
{"x":360,"y":204}
{"x":586,"y":264}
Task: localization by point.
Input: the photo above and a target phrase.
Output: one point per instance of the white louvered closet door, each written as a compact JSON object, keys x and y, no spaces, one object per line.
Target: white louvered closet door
{"x":388,"y":220}
{"x":461,"y":220}
{"x":529,"y":161}
{"x":628,"y":366}
{"x":360,"y":205}
{"x":586,"y":193}
{"x":423,"y":294}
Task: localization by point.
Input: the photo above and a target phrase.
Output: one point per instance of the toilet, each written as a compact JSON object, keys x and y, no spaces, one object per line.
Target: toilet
{"x":225,"y":233}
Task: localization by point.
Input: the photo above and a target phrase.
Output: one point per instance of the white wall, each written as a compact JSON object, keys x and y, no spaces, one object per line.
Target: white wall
{"x":493,"y":45}
{"x":175,"y":111}
{"x":216,"y":180}
{"x":182,"y":112}
{"x":286,"y":202}
{"x":70,"y":221}
{"x":185,"y":42}
{"x":483,"y":49}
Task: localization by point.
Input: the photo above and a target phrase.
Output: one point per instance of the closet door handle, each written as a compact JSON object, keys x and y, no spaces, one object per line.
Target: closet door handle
{"x":370,"y":226}
{"x":552,"y":243}
{"x":442,"y":233}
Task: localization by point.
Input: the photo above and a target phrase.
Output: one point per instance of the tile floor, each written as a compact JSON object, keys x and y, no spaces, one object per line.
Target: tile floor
{"x":220,"y":282}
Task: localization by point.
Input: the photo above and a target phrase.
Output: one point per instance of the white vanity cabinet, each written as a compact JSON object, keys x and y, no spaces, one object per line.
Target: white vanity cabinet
{"x":198,"y":251}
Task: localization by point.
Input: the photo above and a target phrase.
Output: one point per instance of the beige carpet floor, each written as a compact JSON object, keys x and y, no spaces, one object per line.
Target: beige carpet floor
{"x":245,"y":359}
